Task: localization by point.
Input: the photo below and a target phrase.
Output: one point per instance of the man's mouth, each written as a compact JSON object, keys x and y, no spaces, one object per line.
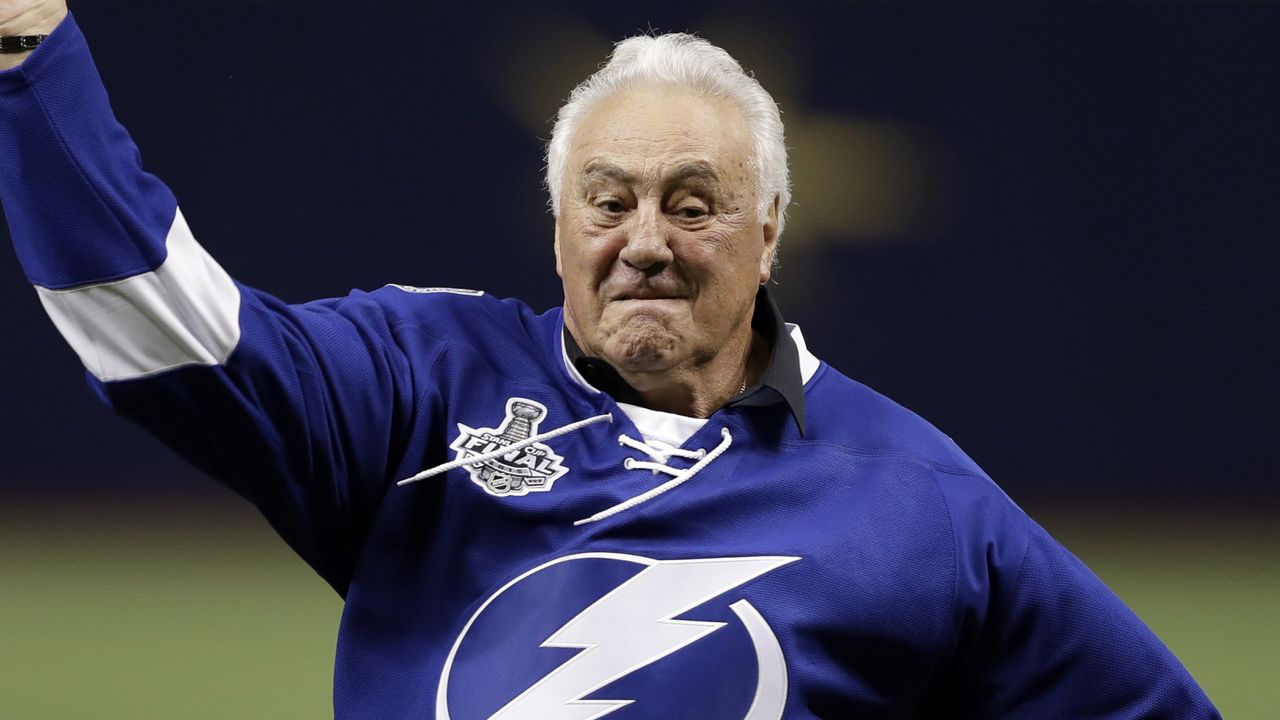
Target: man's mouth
{"x":649,"y":294}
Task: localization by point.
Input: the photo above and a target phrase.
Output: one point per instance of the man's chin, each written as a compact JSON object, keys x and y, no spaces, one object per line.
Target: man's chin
{"x":643,"y":346}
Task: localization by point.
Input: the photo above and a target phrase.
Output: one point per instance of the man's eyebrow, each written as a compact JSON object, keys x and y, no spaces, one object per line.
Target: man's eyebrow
{"x":696,"y":170}
{"x":700,"y":170}
{"x":602,"y":169}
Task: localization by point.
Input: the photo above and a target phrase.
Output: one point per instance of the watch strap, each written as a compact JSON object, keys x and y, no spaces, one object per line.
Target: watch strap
{"x":19,"y":43}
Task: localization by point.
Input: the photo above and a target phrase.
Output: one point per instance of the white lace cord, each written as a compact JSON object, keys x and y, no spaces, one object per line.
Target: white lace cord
{"x":494,"y":454}
{"x":659,"y":452}
{"x":681,"y":476}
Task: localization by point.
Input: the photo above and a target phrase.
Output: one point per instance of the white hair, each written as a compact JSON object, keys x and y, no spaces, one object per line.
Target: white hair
{"x":690,"y":62}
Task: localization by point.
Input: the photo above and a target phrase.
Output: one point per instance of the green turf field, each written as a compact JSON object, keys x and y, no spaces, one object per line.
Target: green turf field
{"x":192,"y":609}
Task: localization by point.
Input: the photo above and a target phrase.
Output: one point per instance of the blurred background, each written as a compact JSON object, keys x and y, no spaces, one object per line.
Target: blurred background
{"x":1050,"y":228}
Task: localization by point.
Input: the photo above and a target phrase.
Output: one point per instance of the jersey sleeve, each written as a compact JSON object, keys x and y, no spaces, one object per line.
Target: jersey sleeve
{"x":1040,"y":637}
{"x":301,"y":409}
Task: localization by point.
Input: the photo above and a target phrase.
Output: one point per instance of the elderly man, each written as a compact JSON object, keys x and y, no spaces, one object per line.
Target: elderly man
{"x":653,"y":503}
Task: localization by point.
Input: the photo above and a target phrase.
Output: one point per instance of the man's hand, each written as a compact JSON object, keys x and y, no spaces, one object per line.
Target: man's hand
{"x":28,"y":17}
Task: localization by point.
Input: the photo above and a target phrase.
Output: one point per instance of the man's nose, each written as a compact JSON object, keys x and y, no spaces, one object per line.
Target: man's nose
{"x":648,"y":242}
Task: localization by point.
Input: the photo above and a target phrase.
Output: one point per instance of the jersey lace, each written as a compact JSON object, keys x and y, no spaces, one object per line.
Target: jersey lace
{"x":657,"y":452}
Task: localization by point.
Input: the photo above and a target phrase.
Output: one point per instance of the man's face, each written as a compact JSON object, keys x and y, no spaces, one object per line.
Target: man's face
{"x":659,"y":241}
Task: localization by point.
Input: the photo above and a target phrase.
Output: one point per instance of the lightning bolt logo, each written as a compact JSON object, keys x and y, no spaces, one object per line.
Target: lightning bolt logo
{"x":629,"y":628}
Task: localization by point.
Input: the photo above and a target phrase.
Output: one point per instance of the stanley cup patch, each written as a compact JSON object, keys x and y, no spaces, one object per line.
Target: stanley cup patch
{"x":532,"y":468}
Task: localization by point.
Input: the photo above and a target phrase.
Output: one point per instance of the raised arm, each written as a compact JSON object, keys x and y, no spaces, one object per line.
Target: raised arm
{"x":306,"y":410}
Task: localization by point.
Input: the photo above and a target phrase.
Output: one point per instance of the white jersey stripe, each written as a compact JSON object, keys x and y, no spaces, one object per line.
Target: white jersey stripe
{"x":185,"y":312}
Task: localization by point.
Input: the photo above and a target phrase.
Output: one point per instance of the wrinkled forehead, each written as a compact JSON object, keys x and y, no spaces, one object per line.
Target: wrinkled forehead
{"x":661,"y":133}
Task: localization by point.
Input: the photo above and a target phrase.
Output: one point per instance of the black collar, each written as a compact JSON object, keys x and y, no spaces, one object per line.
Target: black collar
{"x":781,"y":381}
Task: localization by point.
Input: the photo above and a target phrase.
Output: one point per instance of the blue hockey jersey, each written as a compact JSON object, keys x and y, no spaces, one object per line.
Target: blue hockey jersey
{"x":563,"y":555}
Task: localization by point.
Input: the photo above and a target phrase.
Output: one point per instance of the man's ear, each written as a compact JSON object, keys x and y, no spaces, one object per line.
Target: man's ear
{"x":559,"y":268}
{"x":770,"y":241}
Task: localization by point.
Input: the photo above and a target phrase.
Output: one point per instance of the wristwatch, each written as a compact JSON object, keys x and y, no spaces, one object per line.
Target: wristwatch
{"x":19,"y":43}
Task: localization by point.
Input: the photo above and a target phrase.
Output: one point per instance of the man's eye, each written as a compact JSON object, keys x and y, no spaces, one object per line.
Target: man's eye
{"x":691,"y":212}
{"x":611,"y":206}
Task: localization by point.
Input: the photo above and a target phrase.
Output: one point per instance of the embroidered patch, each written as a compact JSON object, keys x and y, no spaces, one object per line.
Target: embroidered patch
{"x":532,"y":468}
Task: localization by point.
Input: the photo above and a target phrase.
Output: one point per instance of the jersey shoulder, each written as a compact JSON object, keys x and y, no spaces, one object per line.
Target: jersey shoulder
{"x":449,"y":315}
{"x":474,"y":328}
{"x":851,"y":416}
{"x":845,"y":412}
